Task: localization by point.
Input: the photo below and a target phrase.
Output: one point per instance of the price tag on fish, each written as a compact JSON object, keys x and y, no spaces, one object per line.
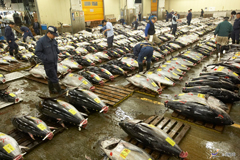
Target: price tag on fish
{"x":183,"y":65}
{"x":65,"y":67}
{"x":151,"y":125}
{"x":201,"y":95}
{"x":159,"y":69}
{"x":9,"y":148}
{"x":42,"y":127}
{"x":170,"y":141}
{"x":154,"y":84}
{"x":174,"y":74}
{"x":125,"y":58}
{"x":97,"y":100}
{"x":108,"y":72}
{"x":164,"y":65}
{"x":84,"y":82}
{"x":73,"y":111}
{"x":220,"y":68}
{"x":70,"y":75}
{"x":235,"y":74}
{"x":138,"y":75}
{"x":167,"y":79}
{"x":128,"y":65}
{"x":75,"y":63}
{"x":174,"y":59}
{"x":97,"y":78}
{"x":1,"y":75}
{"x":12,"y":95}
{"x":181,"y":94}
{"x":136,"y":62}
{"x":2,"y":134}
{"x":179,"y":70}
{"x":150,"y":72}
{"x":125,"y":153}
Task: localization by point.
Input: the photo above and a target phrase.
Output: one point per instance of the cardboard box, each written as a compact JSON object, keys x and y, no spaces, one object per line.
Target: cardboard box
{"x":110,"y":18}
{"x":95,"y":23}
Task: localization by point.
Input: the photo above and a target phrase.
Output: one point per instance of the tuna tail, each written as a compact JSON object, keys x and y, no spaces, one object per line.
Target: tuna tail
{"x":104,"y":109}
{"x":49,"y":135}
{"x":83,"y":124}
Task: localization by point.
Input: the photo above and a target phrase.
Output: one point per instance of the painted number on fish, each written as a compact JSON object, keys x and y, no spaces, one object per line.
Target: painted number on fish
{"x":150,"y":72}
{"x":183,"y":65}
{"x":9,"y":148}
{"x":2,"y":134}
{"x":174,"y":73}
{"x":70,"y":75}
{"x":97,"y":78}
{"x":65,"y":67}
{"x":220,"y":68}
{"x":201,"y":95}
{"x":181,"y":94}
{"x":167,"y":79}
{"x":125,"y":153}
{"x":170,"y":141}
{"x":164,"y":65}
{"x":174,"y":59}
{"x":97,"y":100}
{"x":138,"y":76}
{"x":72,"y":111}
{"x":136,"y":62}
{"x":42,"y":127}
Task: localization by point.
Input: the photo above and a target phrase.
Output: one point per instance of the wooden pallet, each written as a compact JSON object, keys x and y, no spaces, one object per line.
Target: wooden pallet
{"x":218,"y":128}
{"x":143,"y":91}
{"x":175,"y":129}
{"x":40,"y":80}
{"x":25,"y":140}
{"x":113,"y":95}
{"x":12,"y":67}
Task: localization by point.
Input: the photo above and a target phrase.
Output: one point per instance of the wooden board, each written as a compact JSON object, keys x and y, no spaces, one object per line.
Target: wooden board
{"x":143,"y":91}
{"x":12,"y":67}
{"x":112,"y":95}
{"x":218,"y":128}
{"x":13,"y":76}
{"x":25,"y":140}
{"x":175,"y":129}
{"x":40,"y":80}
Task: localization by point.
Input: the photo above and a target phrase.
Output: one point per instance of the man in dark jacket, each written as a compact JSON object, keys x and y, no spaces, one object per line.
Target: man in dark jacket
{"x":236,"y":29}
{"x":36,"y":27}
{"x":139,"y":17}
{"x":142,"y":50}
{"x":11,"y":39}
{"x":47,"y":51}
{"x":27,"y":33}
{"x":222,"y":30}
{"x":202,"y":12}
{"x":189,"y":17}
{"x":150,"y":32}
{"x":135,"y":24}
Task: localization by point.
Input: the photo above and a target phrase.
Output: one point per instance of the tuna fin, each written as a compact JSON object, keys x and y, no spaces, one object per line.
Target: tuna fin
{"x":53,"y":128}
{"x":23,"y":147}
{"x":132,"y":149}
{"x":31,"y":136}
{"x":86,"y":109}
{"x":61,"y":122}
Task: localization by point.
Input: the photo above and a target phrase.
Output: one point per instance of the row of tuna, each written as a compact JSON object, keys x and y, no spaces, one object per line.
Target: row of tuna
{"x":174,"y":69}
{"x":205,"y":96}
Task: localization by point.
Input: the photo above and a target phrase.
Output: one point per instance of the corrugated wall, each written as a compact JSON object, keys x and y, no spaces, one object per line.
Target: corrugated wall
{"x":93,"y":10}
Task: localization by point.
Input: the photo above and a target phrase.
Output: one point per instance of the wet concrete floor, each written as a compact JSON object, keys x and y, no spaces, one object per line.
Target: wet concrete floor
{"x":74,"y":145}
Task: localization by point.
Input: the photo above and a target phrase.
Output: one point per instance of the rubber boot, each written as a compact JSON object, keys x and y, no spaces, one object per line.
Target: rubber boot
{"x":11,"y":53}
{"x":140,"y":68}
{"x":16,"y":51}
{"x":148,"y":65}
{"x":57,"y":88}
{"x":218,"y":48}
{"x":51,"y":88}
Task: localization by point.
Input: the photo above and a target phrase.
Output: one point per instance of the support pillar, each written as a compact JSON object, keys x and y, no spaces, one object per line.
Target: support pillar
{"x":161,"y":9}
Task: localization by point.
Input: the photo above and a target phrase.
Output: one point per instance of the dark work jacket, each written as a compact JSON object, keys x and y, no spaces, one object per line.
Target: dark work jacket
{"x":138,"y":47}
{"x":47,"y":50}
{"x":27,"y":32}
{"x":236,"y":25}
{"x":9,"y":34}
{"x":135,"y":24}
{"x":189,"y":17}
{"x":36,"y":25}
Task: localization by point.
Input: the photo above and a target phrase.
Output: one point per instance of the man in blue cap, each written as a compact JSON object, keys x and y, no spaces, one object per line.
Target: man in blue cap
{"x":11,"y":39}
{"x":27,"y":32}
{"x":47,"y":51}
{"x":142,"y":50}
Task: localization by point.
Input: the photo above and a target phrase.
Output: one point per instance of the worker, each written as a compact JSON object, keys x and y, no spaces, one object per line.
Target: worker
{"x":150,"y":32}
{"x":135,"y":24}
{"x":236,"y":29}
{"x":47,"y":51}
{"x":103,"y":29}
{"x":141,"y":51}
{"x":233,"y":17}
{"x":166,"y":16}
{"x":139,"y":17}
{"x":174,"y":23}
{"x":36,"y":27}
{"x":189,"y":17}
{"x":222,"y":31}
{"x":27,"y":33}
{"x":11,"y":39}
{"x":172,"y":12}
{"x":110,"y":34}
{"x":15,"y":15}
{"x":202,"y":12}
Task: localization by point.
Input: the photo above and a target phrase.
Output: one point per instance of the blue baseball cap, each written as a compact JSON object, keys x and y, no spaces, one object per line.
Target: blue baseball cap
{"x":53,"y":30}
